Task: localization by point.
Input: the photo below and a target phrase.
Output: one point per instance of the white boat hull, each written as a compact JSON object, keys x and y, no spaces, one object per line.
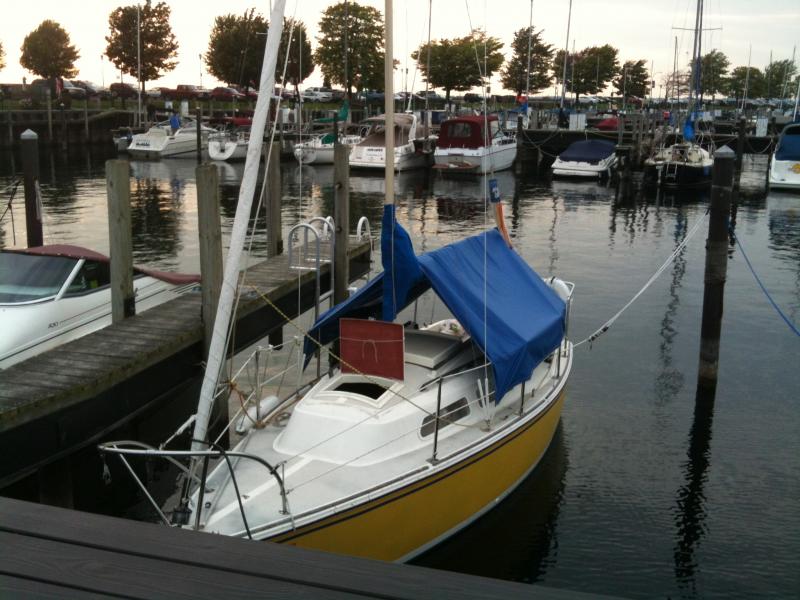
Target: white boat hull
{"x":603,"y":168}
{"x":478,"y":160}
{"x":374,"y":157}
{"x":227,"y":150}
{"x":784,"y":174}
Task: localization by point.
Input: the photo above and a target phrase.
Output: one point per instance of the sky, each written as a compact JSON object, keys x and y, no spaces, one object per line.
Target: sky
{"x":640,"y":29}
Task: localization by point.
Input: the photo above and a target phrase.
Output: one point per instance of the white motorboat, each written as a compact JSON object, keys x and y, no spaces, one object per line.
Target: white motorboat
{"x":228,"y":145}
{"x":160,"y":142}
{"x":51,"y":295}
{"x":474,"y":144}
{"x":594,"y":159}
{"x":319,"y":149}
{"x":409,"y":151}
{"x":784,"y":169}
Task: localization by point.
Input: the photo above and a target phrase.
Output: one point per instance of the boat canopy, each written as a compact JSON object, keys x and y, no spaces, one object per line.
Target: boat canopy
{"x":466,"y":132}
{"x":589,"y":151}
{"x":789,"y":144}
{"x":511,"y":313}
{"x":78,"y":252}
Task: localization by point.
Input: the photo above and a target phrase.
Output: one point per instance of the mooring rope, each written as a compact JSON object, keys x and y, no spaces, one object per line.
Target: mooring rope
{"x":783,"y":315}
{"x":607,"y":325}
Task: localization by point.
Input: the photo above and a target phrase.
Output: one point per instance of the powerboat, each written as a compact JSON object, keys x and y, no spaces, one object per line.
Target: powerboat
{"x":50,"y":295}
{"x":228,"y":145}
{"x":686,"y":164}
{"x":594,"y":159}
{"x":319,"y":149}
{"x":784,"y":169}
{"x":160,"y":142}
{"x":474,"y":144}
{"x":409,"y":151}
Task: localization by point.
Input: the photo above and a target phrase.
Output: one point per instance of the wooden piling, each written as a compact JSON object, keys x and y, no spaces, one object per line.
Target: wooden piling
{"x":341,"y":218}
{"x":716,"y":268}
{"x":199,"y":116}
{"x":123,"y":303}
{"x":30,"y":170}
{"x":86,"y":120}
{"x":210,"y":234}
{"x":10,"y":117}
{"x":520,"y":148}
{"x":273,"y":200}
{"x":740,"y":142}
{"x":49,"y":101}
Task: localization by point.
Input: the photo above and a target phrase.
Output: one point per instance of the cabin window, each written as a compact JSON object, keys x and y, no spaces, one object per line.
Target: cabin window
{"x":27,"y":277}
{"x":459,"y":130}
{"x":370,"y":390}
{"x":449,"y":415}
{"x":92,"y":275}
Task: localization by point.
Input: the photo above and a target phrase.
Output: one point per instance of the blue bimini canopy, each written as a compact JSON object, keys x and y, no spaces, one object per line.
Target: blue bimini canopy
{"x":789,"y":144}
{"x":589,"y":151}
{"x":512,"y":315}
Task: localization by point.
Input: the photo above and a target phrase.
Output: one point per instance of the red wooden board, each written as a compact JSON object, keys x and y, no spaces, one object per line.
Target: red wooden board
{"x":372,"y":348}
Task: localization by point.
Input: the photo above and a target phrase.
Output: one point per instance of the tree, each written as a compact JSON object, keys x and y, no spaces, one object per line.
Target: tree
{"x":301,"y":61}
{"x":235,"y":48}
{"x":350,"y":46}
{"x":514,"y":75}
{"x":776,"y":74}
{"x":714,"y":73}
{"x":46,"y":52}
{"x":2,"y":56}
{"x":633,"y":79}
{"x":588,"y":71}
{"x":454,"y":64}
{"x":159,"y":48}
{"x":676,"y":85}
{"x":755,"y":83}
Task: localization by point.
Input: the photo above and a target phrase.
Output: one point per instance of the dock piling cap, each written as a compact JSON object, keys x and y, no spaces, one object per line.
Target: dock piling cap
{"x":29,"y":134}
{"x":724,"y":152}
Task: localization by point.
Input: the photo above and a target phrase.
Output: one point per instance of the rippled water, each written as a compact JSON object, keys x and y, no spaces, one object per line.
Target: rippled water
{"x":644,"y":492}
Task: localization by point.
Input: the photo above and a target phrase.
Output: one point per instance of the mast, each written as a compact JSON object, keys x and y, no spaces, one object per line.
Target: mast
{"x":566,"y":53}
{"x":694,"y":89}
{"x":528,"y":74}
{"x":388,"y":102}
{"x":796,"y":100}
{"x":676,"y":88}
{"x":786,"y":77}
{"x":747,"y":76}
{"x":346,"y":74}
{"x":139,"y":63}
{"x":428,"y":71}
{"x":219,"y":339}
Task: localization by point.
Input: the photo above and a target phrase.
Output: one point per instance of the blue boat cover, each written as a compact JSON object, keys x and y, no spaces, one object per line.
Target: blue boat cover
{"x":590,"y":151}
{"x":789,"y":144}
{"x":512,"y":315}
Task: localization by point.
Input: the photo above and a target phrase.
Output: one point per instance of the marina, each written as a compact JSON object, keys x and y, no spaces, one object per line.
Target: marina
{"x":390,"y":343}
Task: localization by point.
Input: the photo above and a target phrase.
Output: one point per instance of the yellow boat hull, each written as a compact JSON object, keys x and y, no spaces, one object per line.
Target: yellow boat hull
{"x":399,"y":525}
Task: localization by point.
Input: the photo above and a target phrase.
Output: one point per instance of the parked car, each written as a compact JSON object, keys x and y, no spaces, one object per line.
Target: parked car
{"x":249,"y":92}
{"x":432,"y":95}
{"x":153,"y":93}
{"x":186,"y":92}
{"x":226,"y":94}
{"x":92,"y":89}
{"x":472,"y":98}
{"x":123,"y":90}
{"x":73,"y":91}
{"x":314,"y":95}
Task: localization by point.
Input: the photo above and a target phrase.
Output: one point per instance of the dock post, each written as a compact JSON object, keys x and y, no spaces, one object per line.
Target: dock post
{"x":273,"y":204}
{"x":64,"y":128}
{"x":123,"y":302}
{"x":716,"y":269}
{"x":341,"y":219}
{"x":48,"y":99}
{"x":86,"y":119}
{"x":199,"y":115}
{"x":280,"y":129}
{"x":210,"y":234}
{"x":520,"y":149}
{"x":30,"y":170}
{"x":10,"y":117}
{"x":740,"y":142}
{"x":620,"y":128}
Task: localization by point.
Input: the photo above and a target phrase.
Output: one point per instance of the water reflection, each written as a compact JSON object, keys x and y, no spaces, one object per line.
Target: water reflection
{"x":517,"y":540}
{"x":691,"y":511}
{"x":156,"y":209}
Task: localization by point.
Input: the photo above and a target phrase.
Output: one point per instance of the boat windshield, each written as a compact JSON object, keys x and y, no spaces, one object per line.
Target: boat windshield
{"x":26,"y":277}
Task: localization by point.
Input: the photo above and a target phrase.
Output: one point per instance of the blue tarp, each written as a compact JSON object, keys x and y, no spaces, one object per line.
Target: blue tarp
{"x":399,"y":262}
{"x":591,"y":151}
{"x":524,"y":318}
{"x":789,"y":144}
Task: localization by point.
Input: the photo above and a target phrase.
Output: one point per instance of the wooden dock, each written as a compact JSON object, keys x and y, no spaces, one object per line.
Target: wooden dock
{"x":48,"y":552}
{"x":67,"y":398}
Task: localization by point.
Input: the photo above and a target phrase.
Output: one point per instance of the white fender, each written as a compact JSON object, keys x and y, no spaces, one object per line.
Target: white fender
{"x":265,"y":406}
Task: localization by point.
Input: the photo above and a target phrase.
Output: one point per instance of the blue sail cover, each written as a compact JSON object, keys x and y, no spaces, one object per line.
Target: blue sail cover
{"x":399,"y":264}
{"x":590,"y":151}
{"x":789,"y":144}
{"x":524,"y":317}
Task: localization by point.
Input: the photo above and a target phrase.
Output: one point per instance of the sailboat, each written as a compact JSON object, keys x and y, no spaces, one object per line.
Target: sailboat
{"x":687,"y":163}
{"x":416,"y":432}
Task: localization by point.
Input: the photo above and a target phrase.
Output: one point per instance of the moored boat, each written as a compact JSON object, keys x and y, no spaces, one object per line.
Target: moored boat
{"x":409,"y":151}
{"x":160,"y":141}
{"x":50,"y":295}
{"x":319,"y":149}
{"x":784,"y":169}
{"x":474,"y":144}
{"x":594,"y":159}
{"x":685,"y":164}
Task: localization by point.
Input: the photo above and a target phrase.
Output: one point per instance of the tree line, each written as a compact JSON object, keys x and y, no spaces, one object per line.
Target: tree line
{"x":350,"y":53}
